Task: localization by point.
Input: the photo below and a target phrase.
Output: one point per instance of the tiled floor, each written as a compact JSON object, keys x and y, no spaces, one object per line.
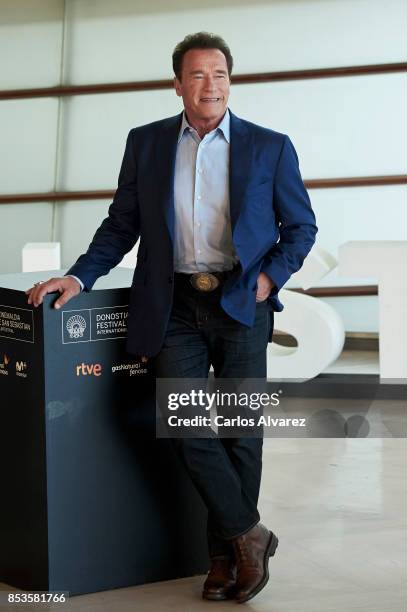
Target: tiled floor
{"x":338,"y":507}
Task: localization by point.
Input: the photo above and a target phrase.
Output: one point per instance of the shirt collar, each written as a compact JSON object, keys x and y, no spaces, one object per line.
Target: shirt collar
{"x":224,"y":126}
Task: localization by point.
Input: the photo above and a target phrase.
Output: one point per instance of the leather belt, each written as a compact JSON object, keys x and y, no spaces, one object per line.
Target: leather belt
{"x":205,"y":282}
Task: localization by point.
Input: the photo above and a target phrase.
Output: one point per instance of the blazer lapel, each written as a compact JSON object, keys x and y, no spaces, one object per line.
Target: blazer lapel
{"x":241,"y":153}
{"x":166,"y":151}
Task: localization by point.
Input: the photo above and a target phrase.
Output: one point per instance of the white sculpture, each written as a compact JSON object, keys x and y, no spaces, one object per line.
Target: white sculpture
{"x":320,"y":336}
{"x":317,"y":264}
{"x":386,"y":260}
{"x":316,"y":326}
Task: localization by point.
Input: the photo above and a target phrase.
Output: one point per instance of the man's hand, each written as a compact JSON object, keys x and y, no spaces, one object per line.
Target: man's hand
{"x":67,"y":286}
{"x":264,"y":286}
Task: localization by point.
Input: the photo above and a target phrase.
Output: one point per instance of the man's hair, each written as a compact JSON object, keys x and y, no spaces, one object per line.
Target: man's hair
{"x":200,"y":40}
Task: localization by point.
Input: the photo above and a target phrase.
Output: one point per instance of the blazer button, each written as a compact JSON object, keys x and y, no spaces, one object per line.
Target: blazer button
{"x":170,"y":279}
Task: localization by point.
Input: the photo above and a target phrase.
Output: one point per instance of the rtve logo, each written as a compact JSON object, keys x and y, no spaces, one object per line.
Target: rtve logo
{"x":86,"y":369}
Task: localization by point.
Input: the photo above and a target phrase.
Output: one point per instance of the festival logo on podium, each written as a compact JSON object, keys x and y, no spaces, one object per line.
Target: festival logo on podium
{"x":76,"y":326}
{"x":91,"y":324}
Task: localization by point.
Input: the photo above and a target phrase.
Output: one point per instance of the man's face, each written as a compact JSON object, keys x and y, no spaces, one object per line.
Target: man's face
{"x":204,"y":84}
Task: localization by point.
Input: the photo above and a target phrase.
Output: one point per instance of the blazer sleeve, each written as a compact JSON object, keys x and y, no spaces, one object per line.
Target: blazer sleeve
{"x":119,"y":231}
{"x":295,"y":218}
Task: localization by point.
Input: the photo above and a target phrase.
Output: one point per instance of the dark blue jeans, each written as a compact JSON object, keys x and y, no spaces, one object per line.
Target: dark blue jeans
{"x":225,"y":471}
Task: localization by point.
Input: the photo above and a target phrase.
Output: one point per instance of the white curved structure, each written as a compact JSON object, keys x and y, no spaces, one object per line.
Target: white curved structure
{"x":318,"y":263}
{"x":319,"y":332}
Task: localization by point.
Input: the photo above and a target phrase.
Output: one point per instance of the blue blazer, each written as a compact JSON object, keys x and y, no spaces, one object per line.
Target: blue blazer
{"x":273,"y":225}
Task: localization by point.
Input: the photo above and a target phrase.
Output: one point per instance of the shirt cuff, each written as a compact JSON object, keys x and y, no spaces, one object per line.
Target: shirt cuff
{"x":78,"y":279}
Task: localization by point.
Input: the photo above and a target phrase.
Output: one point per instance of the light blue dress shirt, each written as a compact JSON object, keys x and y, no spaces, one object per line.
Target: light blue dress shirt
{"x":203,"y":231}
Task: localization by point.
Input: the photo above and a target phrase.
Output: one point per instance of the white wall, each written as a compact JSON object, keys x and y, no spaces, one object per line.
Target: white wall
{"x":113,"y":40}
{"x":28,"y":129}
{"x":351,"y":126}
{"x":30,"y":43}
{"x":30,"y":56}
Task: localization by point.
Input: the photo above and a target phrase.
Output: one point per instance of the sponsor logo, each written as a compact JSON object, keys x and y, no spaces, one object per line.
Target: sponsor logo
{"x":76,"y":326}
{"x":133,"y":369}
{"x":4,"y":365}
{"x":21,"y":369}
{"x":89,"y":369}
{"x":16,"y":324}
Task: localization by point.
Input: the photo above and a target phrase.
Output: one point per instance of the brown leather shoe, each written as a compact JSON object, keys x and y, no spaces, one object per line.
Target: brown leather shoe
{"x":252,"y":551}
{"x":221,"y":579}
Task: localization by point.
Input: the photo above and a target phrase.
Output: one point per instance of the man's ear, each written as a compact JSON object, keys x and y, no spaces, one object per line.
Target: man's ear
{"x":177,"y":86}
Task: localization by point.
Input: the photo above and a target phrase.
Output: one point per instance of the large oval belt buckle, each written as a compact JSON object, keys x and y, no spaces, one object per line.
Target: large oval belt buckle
{"x":204,"y":281}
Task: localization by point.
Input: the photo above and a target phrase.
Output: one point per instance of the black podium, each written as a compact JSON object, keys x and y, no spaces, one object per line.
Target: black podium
{"x":91,"y":499}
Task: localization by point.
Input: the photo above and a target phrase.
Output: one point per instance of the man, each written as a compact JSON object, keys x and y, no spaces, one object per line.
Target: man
{"x":224,"y":220}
